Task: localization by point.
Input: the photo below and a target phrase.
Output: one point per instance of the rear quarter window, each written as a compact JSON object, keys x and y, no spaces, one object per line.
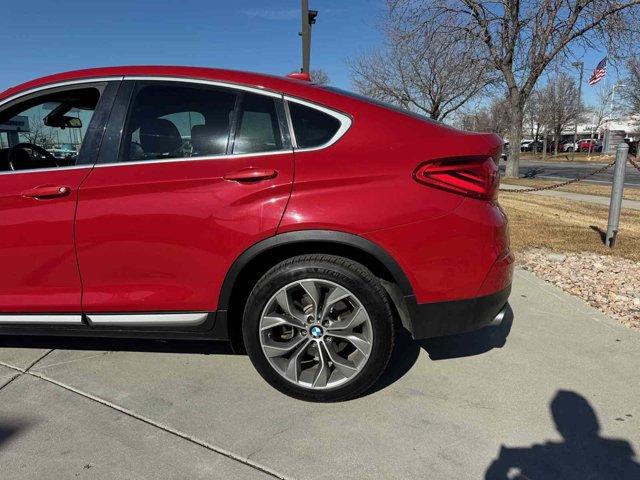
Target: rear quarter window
{"x":312,"y":127}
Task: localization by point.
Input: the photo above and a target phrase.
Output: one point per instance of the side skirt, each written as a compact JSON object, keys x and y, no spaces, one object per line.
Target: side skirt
{"x":160,"y":325}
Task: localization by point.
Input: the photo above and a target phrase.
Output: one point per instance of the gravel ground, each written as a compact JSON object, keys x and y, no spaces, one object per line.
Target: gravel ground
{"x":608,"y":283}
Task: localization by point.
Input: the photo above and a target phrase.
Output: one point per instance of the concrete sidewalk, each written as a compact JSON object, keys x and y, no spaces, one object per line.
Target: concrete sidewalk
{"x":580,"y":197}
{"x":447,"y":408}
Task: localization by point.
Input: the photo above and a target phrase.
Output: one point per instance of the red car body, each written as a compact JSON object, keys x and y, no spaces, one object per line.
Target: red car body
{"x":393,"y":191}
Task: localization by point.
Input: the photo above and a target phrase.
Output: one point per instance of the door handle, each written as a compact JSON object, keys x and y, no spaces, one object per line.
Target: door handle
{"x":47,"y":191}
{"x":251,"y":174}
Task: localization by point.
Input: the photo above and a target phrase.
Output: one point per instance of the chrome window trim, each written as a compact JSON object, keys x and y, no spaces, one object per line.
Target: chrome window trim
{"x":67,"y":83}
{"x":50,"y":169}
{"x":214,"y":83}
{"x":190,"y":319}
{"x":345,"y":120}
{"x":345,"y":123}
{"x":193,"y":159}
{"x":49,"y":319}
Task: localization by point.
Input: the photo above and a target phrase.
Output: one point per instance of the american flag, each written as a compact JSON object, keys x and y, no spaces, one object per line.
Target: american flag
{"x":599,"y":72}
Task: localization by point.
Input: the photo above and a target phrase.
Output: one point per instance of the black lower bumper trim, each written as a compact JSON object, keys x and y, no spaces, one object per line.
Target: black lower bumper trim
{"x":448,"y":318}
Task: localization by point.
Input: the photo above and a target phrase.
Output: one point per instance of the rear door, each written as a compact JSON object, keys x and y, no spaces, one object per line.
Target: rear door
{"x":201,"y":172}
{"x":38,"y":195}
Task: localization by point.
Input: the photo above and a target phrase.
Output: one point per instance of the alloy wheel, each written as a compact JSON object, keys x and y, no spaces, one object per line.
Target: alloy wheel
{"x":316,"y":334}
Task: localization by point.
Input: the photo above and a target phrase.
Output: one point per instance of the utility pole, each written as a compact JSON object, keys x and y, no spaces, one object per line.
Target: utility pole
{"x":575,"y":122}
{"x":308,"y":19}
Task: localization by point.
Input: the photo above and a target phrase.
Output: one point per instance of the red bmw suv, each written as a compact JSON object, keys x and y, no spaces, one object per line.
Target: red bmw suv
{"x":300,"y":221}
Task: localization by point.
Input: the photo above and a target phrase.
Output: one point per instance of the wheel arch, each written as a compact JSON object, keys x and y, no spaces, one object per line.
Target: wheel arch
{"x":256,"y":260}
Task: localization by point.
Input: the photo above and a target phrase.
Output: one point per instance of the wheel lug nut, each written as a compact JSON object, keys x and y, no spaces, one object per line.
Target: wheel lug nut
{"x":303,"y":333}
{"x":310,"y":319}
{"x":329,"y":339}
{"x":326,"y":323}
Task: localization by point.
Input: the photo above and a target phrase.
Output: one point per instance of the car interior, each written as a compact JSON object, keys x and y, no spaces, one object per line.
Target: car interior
{"x":60,"y":117}
{"x":175,"y":122}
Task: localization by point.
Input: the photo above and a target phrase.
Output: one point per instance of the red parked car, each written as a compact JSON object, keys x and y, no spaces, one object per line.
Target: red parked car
{"x":298,"y":220}
{"x":583,"y":145}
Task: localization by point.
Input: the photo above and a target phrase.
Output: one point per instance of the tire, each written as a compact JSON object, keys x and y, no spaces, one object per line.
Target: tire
{"x":337,"y":298}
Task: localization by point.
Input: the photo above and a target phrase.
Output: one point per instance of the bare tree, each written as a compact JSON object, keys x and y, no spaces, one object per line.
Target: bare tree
{"x":422,"y":68}
{"x":492,"y":118}
{"x":535,"y":114}
{"x":38,"y":134}
{"x":522,"y":37}
{"x":320,"y":77}
{"x":560,"y":105}
{"x":631,"y":92}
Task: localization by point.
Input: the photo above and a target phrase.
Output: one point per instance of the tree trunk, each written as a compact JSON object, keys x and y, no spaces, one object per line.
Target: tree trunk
{"x":515,"y":137}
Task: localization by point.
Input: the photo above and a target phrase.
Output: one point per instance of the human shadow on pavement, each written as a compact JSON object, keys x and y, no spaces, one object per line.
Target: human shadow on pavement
{"x":9,"y":430}
{"x":583,"y":453}
{"x":206,"y":347}
{"x":472,"y":343}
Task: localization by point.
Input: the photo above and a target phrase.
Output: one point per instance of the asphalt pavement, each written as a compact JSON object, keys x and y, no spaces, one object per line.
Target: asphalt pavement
{"x":552,"y":393}
{"x":567,"y":170}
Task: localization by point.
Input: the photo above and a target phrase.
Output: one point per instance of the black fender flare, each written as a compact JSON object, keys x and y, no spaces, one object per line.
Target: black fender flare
{"x":309,"y":236}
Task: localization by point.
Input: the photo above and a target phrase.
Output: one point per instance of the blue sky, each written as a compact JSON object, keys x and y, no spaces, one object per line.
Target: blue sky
{"x":41,"y":37}
{"x":46,"y":36}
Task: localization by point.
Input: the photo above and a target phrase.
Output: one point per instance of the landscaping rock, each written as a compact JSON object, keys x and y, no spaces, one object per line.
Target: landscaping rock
{"x":608,"y":283}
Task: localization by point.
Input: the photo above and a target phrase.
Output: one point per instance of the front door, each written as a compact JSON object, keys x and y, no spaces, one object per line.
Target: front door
{"x":41,"y":169}
{"x":201,"y":174}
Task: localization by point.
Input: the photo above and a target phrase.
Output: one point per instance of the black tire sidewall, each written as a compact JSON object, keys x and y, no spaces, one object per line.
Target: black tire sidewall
{"x":353,"y":277}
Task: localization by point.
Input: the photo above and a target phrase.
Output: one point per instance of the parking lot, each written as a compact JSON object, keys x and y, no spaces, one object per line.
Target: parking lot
{"x":551,"y":393}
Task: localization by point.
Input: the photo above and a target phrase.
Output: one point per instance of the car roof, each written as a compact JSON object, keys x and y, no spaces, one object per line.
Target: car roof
{"x":268,"y":82}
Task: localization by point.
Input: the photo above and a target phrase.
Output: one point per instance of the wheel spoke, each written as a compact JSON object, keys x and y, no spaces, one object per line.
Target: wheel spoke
{"x":324,"y":372}
{"x":337,"y":294}
{"x":358,"y":341}
{"x":294,"y":366}
{"x":282,"y":298}
{"x":311,"y":288}
{"x":277,"y":320}
{"x":357,"y":318}
{"x":345,"y":367}
{"x":278,"y":349}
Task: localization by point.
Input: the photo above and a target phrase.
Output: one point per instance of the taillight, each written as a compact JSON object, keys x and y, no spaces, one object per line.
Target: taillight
{"x":476,"y":177}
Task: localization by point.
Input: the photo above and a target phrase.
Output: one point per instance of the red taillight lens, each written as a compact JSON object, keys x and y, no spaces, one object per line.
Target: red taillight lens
{"x":476,"y":177}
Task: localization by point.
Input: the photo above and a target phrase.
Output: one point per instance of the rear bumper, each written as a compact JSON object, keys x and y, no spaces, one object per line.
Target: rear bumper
{"x":458,"y":316}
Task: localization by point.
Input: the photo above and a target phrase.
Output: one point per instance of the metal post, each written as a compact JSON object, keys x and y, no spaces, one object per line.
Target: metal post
{"x":616,"y":195}
{"x":575,"y":122}
{"x":308,"y":19}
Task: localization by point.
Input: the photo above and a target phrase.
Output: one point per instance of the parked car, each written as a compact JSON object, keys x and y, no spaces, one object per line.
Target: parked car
{"x":569,"y":147}
{"x":524,"y":145}
{"x":312,"y":273}
{"x":535,"y":146}
{"x":583,"y":145}
{"x":64,"y":151}
{"x":597,"y":146}
{"x":633,"y":146}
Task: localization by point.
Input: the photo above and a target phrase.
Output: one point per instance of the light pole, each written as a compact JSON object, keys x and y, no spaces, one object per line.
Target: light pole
{"x":575,"y":122}
{"x":308,"y":19}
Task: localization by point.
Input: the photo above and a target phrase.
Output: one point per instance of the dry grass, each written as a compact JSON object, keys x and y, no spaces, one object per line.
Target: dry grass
{"x":566,"y":157}
{"x":567,"y":226}
{"x":578,"y":187}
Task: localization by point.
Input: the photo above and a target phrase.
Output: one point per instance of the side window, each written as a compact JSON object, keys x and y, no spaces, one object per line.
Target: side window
{"x":177,"y":121}
{"x":312,"y":127}
{"x":48,"y":129}
{"x":258,"y":128}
